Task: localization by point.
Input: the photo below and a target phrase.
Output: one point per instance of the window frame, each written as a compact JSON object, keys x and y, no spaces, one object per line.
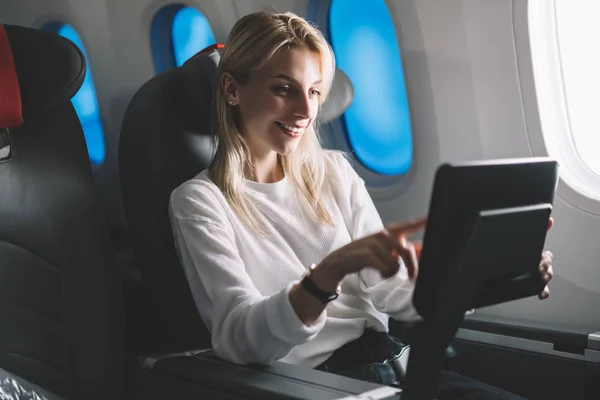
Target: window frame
{"x":544,"y":103}
{"x":161,"y":35}
{"x":356,"y":117}
{"x":381,"y":187}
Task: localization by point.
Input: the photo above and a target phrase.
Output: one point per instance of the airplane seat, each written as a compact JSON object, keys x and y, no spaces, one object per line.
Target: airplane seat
{"x":60,"y":308}
{"x":165,"y":140}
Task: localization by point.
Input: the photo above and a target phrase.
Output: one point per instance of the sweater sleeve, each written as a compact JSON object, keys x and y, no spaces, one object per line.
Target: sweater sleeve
{"x":392,"y":296}
{"x":246,"y":327}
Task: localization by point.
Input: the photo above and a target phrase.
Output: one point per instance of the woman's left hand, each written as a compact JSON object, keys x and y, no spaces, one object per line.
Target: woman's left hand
{"x":545,"y":268}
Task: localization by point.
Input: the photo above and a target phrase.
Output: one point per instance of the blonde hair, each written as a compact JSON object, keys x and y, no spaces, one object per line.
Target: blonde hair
{"x":253,"y":41}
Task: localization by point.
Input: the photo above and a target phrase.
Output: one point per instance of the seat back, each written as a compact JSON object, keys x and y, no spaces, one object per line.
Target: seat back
{"x":165,"y":140}
{"x":60,"y":325}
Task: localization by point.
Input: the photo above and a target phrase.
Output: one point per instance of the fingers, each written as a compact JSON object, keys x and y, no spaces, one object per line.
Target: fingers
{"x":404,"y":249}
{"x":550,"y":223}
{"x":545,"y":267}
{"x":383,"y":259}
{"x":545,"y":293}
{"x":409,"y":256}
{"x":407,"y":228}
{"x":418,"y":248}
{"x":547,"y":254}
{"x":546,"y":272}
{"x":392,"y":242}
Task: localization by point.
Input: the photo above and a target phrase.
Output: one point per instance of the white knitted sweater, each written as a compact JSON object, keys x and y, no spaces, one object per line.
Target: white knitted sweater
{"x":241,"y":281}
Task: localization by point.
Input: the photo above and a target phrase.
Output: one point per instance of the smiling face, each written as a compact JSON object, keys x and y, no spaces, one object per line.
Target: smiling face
{"x":279,"y":102}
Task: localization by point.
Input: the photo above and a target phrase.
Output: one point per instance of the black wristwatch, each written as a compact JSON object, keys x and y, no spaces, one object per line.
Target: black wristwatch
{"x":310,"y":286}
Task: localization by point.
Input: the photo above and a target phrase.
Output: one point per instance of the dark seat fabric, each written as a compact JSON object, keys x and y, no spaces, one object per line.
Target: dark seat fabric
{"x":60,"y":293}
{"x":165,"y":140}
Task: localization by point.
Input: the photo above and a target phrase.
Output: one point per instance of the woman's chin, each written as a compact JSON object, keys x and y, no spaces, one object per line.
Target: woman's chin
{"x":288,"y":149}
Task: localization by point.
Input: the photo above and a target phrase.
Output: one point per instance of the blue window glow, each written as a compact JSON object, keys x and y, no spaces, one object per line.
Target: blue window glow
{"x":86,"y":104}
{"x":378,"y":122}
{"x":191,"y":32}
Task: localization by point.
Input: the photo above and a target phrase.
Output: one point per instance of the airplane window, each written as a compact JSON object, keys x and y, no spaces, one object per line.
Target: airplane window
{"x":85,"y":101}
{"x":578,"y":32}
{"x":378,"y":121}
{"x":190,"y":32}
{"x":562,"y":34}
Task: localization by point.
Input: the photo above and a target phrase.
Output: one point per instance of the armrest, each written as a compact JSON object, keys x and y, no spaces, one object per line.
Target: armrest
{"x":206,"y":374}
{"x":15,"y":387}
{"x":566,"y":341}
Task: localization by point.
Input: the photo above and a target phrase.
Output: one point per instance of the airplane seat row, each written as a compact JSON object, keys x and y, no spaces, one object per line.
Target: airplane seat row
{"x":60,"y":291}
{"x":61,"y":305}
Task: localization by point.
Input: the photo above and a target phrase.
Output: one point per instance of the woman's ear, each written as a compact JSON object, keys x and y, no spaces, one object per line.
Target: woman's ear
{"x":229,"y":87}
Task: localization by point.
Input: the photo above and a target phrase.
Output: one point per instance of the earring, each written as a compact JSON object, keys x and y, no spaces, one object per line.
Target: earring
{"x":230,"y":102}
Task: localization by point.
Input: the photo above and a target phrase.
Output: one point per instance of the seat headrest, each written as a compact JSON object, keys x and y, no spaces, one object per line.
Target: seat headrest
{"x":11,"y":113}
{"x":49,"y":68}
{"x":339,"y":99}
{"x":200,"y":74}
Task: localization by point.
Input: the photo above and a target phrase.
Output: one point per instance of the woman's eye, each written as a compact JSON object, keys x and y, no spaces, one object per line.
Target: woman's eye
{"x":283,"y":89}
{"x":315,"y":93}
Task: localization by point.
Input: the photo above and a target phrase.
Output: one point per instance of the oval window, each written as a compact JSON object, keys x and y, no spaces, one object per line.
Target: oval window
{"x":190,"y":32}
{"x":377,"y":122}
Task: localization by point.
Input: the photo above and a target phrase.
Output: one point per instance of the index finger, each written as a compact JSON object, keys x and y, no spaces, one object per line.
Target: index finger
{"x":408,"y":227}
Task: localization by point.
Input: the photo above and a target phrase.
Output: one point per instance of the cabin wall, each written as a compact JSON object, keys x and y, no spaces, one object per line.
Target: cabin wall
{"x":465,"y":94}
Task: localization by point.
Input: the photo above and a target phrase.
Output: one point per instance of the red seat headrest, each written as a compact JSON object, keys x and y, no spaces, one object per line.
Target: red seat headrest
{"x":49,"y":70}
{"x":10,"y":95}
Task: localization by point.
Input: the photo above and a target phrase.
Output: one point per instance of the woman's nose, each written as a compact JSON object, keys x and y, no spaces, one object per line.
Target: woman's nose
{"x":303,"y":106}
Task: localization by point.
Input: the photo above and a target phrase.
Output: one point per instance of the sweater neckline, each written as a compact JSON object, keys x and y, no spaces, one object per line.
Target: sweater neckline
{"x":268,"y":188}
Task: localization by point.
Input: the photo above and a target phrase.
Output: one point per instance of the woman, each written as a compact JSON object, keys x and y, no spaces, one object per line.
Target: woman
{"x":273,"y":203}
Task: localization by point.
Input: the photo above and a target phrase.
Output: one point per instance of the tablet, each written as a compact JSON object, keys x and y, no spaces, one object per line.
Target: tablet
{"x":486,"y":193}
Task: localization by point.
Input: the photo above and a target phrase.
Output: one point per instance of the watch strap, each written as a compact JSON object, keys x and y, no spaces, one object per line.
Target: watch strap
{"x":309,"y":285}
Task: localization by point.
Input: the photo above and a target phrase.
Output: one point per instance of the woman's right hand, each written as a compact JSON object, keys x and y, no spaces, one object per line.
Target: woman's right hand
{"x":380,"y":251}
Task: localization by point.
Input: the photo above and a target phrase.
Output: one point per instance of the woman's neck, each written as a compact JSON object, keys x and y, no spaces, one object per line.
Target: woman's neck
{"x":268,"y":169}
